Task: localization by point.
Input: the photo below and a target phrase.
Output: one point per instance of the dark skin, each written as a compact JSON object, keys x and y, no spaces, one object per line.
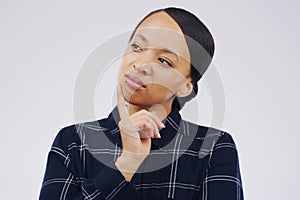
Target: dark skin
{"x":165,"y":73}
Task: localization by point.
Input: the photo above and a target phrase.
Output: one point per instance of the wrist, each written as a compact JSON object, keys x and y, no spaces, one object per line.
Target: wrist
{"x":128,"y":163}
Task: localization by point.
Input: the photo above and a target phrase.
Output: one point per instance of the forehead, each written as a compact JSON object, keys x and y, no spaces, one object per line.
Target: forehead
{"x":161,"y":31}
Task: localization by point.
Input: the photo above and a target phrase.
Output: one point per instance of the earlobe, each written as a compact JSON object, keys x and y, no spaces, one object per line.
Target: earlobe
{"x":186,"y":90}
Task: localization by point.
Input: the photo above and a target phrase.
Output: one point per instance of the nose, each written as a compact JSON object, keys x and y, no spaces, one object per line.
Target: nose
{"x":142,"y":69}
{"x":143,"y":65}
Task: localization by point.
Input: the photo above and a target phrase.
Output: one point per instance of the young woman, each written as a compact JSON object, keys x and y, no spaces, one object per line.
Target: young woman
{"x":150,"y":151}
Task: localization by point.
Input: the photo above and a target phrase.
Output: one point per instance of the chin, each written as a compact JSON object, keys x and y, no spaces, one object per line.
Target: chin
{"x":138,"y":103}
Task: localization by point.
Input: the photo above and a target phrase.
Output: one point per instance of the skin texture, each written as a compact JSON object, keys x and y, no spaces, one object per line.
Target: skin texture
{"x":159,"y":56}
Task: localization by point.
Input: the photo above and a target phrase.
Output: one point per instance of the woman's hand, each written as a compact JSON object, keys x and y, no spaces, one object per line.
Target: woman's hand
{"x":136,"y":132}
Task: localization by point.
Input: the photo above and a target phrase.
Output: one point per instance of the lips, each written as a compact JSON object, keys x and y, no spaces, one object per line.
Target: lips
{"x":134,"y":82}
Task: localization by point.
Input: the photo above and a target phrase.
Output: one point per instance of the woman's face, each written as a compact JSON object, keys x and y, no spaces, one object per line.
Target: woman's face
{"x":156,"y":64}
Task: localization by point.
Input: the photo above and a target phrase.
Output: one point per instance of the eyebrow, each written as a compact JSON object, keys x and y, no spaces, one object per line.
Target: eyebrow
{"x":171,"y":52}
{"x":142,"y":37}
{"x":162,"y":49}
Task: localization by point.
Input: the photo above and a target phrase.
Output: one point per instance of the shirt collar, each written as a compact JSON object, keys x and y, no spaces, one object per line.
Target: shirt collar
{"x":171,"y":122}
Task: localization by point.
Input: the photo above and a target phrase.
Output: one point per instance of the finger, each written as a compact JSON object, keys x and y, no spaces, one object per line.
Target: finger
{"x":145,"y":134}
{"x":155,"y":131}
{"x":123,"y":111}
{"x":144,"y":124}
{"x":148,"y":129}
{"x":129,"y":129}
{"x":157,"y":120}
{"x":151,"y":115}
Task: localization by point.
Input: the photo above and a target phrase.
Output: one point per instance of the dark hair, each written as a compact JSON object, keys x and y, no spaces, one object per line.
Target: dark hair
{"x":200,"y":43}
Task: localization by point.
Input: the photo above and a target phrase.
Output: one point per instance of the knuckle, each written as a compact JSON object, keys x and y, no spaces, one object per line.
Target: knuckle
{"x":144,"y":111}
{"x":147,"y":120}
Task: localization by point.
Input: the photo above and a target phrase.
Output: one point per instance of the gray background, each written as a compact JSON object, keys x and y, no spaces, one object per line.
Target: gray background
{"x":44,"y":44}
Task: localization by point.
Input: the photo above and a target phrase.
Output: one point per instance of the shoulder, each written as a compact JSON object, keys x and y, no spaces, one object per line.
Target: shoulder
{"x":208,"y":139}
{"x":73,"y":133}
{"x":202,"y":132}
{"x":64,"y":135}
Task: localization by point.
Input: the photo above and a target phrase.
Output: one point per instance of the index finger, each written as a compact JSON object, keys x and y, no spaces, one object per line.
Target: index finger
{"x":123,"y":111}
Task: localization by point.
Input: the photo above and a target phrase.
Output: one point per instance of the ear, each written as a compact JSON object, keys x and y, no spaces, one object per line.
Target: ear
{"x":186,"y":89}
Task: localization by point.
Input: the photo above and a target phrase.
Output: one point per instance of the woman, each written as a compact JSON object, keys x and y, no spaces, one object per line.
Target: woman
{"x":155,"y":154}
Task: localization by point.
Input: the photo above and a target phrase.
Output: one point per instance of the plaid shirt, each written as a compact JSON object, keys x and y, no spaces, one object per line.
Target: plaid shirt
{"x":189,"y":161}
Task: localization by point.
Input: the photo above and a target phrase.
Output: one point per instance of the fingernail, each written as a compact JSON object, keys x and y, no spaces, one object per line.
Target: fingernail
{"x":163,"y":125}
{"x":158,"y":134}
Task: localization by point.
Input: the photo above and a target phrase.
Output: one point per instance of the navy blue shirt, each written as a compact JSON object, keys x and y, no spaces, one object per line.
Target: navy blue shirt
{"x":189,"y":161}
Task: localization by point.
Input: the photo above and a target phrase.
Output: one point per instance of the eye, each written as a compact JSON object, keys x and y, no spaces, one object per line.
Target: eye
{"x":165,"y":62}
{"x":135,"y":47}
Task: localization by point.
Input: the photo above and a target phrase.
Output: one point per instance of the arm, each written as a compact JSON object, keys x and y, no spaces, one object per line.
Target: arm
{"x":222,"y":179}
{"x":136,"y":131}
{"x":61,"y":183}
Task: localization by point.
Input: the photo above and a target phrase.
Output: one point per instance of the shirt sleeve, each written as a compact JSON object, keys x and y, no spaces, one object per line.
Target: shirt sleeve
{"x":222,"y":178}
{"x":61,"y":183}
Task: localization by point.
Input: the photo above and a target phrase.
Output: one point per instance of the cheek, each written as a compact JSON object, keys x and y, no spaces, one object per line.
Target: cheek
{"x":169,"y":79}
{"x":125,"y":65}
{"x":121,"y":73}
